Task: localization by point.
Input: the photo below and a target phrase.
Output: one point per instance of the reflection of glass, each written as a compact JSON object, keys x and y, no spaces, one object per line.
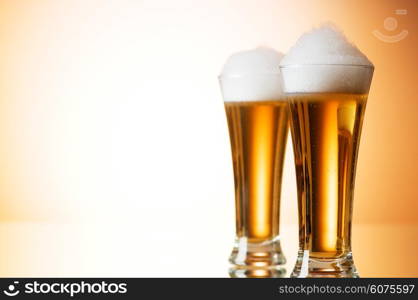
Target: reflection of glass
{"x":276,"y":272}
{"x":258,"y":132}
{"x":326,"y":126}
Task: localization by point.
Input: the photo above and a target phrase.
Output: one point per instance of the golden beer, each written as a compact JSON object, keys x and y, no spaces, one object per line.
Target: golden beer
{"x":257,"y":114}
{"x":258,"y":133}
{"x":327,"y":81}
{"x":326,"y":131}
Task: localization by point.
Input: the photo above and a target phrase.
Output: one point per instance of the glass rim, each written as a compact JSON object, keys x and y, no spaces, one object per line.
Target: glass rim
{"x":237,"y":76}
{"x":326,"y":65}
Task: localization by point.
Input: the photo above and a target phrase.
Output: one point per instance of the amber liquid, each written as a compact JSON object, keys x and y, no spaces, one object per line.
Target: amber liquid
{"x":258,"y":134}
{"x":326,"y":132}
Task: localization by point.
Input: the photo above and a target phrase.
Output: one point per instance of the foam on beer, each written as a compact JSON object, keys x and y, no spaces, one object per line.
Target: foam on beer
{"x":323,"y":60}
{"x":252,"y":75}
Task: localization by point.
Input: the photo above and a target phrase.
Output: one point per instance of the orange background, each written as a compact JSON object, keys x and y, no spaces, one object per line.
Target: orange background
{"x":111,"y":115}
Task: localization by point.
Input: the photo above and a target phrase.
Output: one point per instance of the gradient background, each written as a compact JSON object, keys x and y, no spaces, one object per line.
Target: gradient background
{"x":114,"y":152}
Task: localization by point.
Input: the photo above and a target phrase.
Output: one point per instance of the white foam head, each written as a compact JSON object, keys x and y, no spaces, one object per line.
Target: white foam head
{"x":323,"y":60}
{"x":252,"y":75}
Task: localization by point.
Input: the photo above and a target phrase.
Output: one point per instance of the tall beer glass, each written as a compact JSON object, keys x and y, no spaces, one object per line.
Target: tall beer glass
{"x":258,"y":126}
{"x":327,"y":104}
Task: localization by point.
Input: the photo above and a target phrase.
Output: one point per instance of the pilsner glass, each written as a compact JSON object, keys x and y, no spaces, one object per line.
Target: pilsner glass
{"x":327,"y":104}
{"x":258,"y":128}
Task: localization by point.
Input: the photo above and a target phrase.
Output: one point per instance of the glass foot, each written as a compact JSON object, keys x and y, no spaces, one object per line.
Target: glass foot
{"x":342,"y":267}
{"x":266,"y":254}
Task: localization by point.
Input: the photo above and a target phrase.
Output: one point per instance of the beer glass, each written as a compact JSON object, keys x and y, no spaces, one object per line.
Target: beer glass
{"x":327,"y":105}
{"x":258,"y":128}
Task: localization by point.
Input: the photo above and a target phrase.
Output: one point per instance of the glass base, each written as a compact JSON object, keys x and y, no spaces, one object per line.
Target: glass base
{"x":266,"y":254}
{"x":341,"y":267}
